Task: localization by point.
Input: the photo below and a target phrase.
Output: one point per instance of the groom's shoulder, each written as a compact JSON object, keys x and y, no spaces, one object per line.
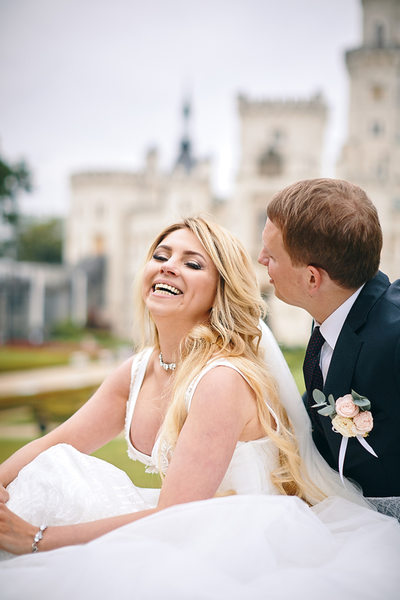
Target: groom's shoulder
{"x":390,"y":298}
{"x":385,"y":312}
{"x":380,"y":291}
{"x":377,"y":307}
{"x":393,"y":294}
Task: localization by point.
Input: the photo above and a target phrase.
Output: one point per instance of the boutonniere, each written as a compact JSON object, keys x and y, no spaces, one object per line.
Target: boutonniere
{"x":351,"y":417}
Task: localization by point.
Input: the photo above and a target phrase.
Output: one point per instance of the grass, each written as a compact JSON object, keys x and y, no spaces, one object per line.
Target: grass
{"x":66,"y":338}
{"x":51,"y":406}
{"x":17,"y":358}
{"x":294,"y":358}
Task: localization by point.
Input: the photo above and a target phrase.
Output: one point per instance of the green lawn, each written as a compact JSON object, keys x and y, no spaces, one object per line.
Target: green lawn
{"x":294,"y":358}
{"x":16,"y":358}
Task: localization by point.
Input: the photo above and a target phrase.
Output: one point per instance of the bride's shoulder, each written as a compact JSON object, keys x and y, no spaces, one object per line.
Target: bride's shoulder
{"x":219,"y":378}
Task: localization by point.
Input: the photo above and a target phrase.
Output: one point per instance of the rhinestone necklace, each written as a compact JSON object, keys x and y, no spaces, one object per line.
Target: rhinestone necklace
{"x":166,"y":366}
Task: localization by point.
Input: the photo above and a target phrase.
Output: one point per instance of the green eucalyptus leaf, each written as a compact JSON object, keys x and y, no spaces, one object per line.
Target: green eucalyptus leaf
{"x":319,"y":397}
{"x":327,"y":411}
{"x":331,"y":400}
{"x":363,"y":403}
{"x":356,"y":396}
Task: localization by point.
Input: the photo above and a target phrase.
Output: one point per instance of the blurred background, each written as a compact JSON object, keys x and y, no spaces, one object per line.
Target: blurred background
{"x":117,"y":118}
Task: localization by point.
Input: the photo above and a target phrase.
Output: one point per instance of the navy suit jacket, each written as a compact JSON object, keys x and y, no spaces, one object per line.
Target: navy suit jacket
{"x":366,"y":359}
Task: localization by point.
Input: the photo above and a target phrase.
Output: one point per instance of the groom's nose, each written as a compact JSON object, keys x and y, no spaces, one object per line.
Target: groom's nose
{"x":263,"y":259}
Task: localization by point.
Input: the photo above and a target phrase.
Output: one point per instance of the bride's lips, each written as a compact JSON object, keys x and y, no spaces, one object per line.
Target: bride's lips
{"x":164,"y":288}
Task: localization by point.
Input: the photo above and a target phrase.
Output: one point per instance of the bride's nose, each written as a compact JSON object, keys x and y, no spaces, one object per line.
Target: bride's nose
{"x":169,"y":266}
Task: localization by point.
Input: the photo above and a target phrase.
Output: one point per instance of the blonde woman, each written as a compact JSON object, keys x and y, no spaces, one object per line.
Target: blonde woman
{"x":199,"y":406}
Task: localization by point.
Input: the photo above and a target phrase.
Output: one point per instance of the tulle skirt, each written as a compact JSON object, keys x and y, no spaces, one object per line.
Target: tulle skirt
{"x":235,"y":547}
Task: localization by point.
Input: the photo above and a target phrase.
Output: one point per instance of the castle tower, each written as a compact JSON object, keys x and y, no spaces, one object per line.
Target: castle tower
{"x":371,"y":154}
{"x":281,"y":142}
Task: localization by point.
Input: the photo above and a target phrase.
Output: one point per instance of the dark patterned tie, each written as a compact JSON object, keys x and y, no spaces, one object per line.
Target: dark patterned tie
{"x":312,"y":372}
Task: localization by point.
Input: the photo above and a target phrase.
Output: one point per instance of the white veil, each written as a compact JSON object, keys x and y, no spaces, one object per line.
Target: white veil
{"x":322,"y":475}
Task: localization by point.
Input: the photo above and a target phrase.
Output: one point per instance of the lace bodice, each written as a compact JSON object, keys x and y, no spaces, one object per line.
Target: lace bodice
{"x":252,"y":461}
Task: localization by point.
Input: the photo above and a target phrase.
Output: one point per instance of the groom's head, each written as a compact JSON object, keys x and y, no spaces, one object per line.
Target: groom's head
{"x":326,"y":224}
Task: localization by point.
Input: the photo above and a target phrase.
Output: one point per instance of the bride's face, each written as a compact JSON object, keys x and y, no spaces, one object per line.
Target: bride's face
{"x":180,"y":280}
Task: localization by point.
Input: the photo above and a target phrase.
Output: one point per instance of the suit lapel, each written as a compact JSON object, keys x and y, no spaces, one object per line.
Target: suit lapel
{"x":348,"y":346}
{"x":344,"y":359}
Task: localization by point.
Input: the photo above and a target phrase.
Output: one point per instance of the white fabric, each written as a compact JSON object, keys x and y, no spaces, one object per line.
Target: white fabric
{"x":327,"y":479}
{"x":330,"y":329}
{"x":236,"y":548}
{"x":253,"y":455}
{"x":252,"y":545}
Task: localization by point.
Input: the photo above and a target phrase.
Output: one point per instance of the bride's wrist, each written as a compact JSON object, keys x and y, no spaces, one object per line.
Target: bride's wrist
{"x":4,"y":495}
{"x":37,"y":538}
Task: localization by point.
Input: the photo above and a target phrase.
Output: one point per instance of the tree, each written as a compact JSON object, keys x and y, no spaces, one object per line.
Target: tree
{"x":41,"y":242}
{"x":14,"y":178}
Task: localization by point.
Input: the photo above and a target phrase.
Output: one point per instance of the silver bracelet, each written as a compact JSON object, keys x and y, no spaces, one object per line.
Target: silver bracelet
{"x":38,"y":537}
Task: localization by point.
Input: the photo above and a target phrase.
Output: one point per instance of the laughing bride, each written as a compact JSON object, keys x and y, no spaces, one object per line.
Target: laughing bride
{"x":247,"y":508}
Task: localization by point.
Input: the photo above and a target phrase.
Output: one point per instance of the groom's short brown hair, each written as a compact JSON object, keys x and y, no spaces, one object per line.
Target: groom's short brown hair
{"x":332,"y":224}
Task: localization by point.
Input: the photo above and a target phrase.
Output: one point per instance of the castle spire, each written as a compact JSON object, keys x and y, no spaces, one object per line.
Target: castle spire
{"x":185,"y":157}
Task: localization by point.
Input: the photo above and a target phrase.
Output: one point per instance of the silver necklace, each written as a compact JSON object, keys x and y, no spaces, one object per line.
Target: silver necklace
{"x":166,"y":366}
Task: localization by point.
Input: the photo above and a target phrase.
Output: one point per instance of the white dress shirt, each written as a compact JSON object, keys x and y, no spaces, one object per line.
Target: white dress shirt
{"x":331,"y":329}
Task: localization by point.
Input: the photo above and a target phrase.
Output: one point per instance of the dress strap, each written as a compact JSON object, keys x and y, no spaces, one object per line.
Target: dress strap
{"x":211,"y":365}
{"x":138,"y":369}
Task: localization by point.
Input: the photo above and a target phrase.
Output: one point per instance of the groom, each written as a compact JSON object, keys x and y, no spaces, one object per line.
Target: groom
{"x":321,"y":246}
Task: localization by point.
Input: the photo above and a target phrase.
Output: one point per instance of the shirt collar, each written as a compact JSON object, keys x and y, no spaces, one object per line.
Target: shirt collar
{"x":332,"y":326}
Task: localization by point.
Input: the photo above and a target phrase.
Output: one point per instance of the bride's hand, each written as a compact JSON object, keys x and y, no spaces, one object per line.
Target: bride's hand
{"x":16,"y":535}
{"x":4,"y":496}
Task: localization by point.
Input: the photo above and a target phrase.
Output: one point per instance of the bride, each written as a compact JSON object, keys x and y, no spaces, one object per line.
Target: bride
{"x":247,"y":508}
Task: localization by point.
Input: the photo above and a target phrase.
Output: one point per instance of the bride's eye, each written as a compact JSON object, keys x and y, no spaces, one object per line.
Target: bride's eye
{"x":159,"y":257}
{"x":193,"y":265}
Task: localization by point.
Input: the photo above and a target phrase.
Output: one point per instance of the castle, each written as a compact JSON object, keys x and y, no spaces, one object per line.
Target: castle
{"x":114,"y":216}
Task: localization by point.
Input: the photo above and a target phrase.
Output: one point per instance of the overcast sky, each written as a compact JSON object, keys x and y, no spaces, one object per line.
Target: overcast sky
{"x":94,"y":83}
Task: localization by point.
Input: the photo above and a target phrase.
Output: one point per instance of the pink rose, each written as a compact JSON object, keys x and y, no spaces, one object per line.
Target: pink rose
{"x":345,"y":407}
{"x":363,"y":422}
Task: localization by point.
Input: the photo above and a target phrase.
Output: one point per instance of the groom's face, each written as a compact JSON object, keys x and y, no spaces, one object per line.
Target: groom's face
{"x":288,"y":280}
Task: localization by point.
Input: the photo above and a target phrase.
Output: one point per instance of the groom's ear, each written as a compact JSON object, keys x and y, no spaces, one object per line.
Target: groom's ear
{"x":314,"y":278}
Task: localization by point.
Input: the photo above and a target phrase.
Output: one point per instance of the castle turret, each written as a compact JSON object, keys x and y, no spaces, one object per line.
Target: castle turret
{"x":371,"y":154}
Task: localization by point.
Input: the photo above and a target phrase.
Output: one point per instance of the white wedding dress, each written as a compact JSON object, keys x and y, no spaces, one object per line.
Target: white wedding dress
{"x":255,"y":544}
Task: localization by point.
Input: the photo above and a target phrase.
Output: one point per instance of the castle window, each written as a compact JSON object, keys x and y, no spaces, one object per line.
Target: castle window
{"x":377,"y":128}
{"x":270,"y":163}
{"x":379,"y":35}
{"x":278,"y":135}
{"x":377,"y":92}
{"x":98,"y":245}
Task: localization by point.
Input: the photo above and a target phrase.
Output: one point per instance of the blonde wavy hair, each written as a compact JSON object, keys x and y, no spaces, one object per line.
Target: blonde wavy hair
{"x":232,"y":331}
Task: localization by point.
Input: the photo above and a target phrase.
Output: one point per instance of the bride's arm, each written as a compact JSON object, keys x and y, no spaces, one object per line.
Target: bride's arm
{"x":93,"y":425}
{"x":222,"y":406}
